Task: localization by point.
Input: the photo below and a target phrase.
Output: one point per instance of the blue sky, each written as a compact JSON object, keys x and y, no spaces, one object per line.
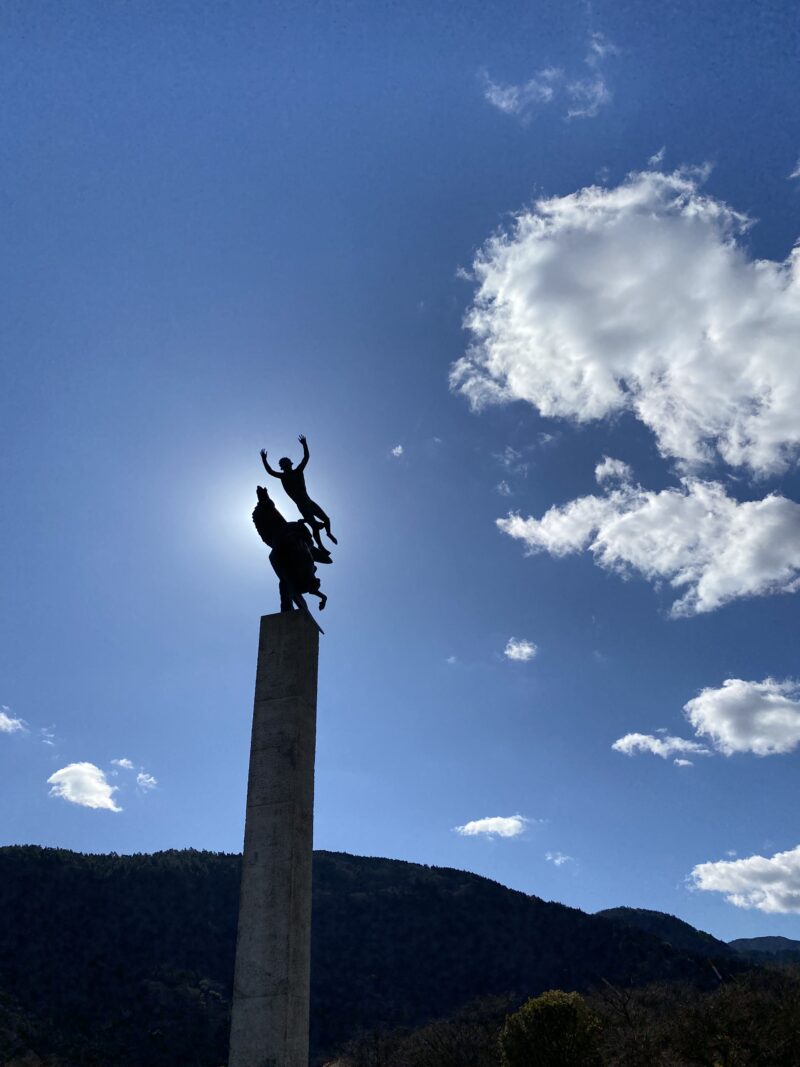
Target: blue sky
{"x":225,"y":225}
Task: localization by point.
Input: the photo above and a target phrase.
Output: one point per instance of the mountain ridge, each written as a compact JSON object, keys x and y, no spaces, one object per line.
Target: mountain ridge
{"x":128,"y":959}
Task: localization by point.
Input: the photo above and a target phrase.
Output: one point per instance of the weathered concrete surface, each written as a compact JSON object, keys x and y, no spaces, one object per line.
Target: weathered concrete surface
{"x":269,"y":1023}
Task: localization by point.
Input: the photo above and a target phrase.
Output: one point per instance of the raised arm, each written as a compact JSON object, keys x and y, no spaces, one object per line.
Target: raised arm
{"x":302,"y":439}
{"x":267,"y":467}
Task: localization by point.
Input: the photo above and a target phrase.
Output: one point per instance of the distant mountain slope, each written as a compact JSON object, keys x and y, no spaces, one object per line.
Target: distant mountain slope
{"x":757,"y":948}
{"x":675,"y":932}
{"x":127,"y":960}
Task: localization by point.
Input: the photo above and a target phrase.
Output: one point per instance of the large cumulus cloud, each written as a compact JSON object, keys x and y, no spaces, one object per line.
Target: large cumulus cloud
{"x":768,"y":883}
{"x":741,"y":716}
{"x":642,"y":298}
{"x":709,"y":547}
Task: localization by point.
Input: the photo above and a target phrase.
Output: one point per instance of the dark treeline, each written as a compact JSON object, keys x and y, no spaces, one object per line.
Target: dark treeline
{"x":751,"y":1020}
{"x":126,"y":961}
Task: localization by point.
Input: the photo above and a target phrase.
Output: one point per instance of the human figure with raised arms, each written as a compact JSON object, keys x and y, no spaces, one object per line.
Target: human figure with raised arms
{"x":294,"y":485}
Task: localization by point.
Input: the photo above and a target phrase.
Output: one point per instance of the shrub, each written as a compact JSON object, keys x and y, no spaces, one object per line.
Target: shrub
{"x":556,"y":1029}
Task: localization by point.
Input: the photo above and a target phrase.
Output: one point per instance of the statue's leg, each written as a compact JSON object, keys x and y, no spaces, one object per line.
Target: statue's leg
{"x":300,"y":600}
{"x":317,"y":513}
{"x":308,"y":517}
{"x":286,"y":596}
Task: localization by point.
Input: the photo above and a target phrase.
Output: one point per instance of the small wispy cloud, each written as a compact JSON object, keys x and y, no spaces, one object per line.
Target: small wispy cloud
{"x":524,"y":98}
{"x":658,"y":157}
{"x":83,"y":784}
{"x":397,"y":451}
{"x":10,"y":724}
{"x":511,"y":459}
{"x":558,"y":859}
{"x":585,"y":94}
{"x":503,"y":488}
{"x":520,"y":649}
{"x":796,"y":172}
{"x":612,"y":470}
{"x":683,"y":763}
{"x":590,"y":93}
{"x":47,"y":735}
{"x":494,"y":826}
{"x":146,"y":781}
{"x":451,"y":660}
{"x":664,"y":746}
{"x":126,"y":764}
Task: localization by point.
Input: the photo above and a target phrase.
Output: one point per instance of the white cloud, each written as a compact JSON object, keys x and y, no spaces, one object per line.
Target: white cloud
{"x":503,"y":488}
{"x":520,"y":649}
{"x":796,"y":172}
{"x":739,"y":716}
{"x":511,"y":459}
{"x":599,"y":48}
{"x":522,"y":100}
{"x":397,"y":451}
{"x":768,"y":883}
{"x":495,"y":826}
{"x":658,"y":157}
{"x":126,"y":764}
{"x":696,"y":537}
{"x":146,"y":781}
{"x":558,"y":858}
{"x":664,"y":746}
{"x":10,"y":724}
{"x":588,"y":95}
{"x":83,"y":784}
{"x":612,"y":470}
{"x":585,"y":94}
{"x":641,"y":298}
{"x":451,"y":660}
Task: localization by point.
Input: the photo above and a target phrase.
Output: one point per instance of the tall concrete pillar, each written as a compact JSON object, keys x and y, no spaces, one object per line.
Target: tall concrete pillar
{"x":269,"y":1023}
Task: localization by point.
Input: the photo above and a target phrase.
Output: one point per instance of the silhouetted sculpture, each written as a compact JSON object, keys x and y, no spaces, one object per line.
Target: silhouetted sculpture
{"x":294,"y":485}
{"x":293,"y":553}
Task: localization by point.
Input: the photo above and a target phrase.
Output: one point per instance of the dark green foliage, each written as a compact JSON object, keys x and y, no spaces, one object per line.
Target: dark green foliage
{"x":671,"y":930}
{"x":126,"y":961}
{"x":555,"y":1029}
{"x":753,"y":1020}
{"x":466,"y":1039}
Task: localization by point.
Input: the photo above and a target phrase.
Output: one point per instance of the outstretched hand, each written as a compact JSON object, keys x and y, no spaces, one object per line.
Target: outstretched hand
{"x":263,"y":453}
{"x":302,"y":438}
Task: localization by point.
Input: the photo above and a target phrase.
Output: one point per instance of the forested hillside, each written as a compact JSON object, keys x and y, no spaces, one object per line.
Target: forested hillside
{"x":671,"y":930}
{"x":127,"y":960}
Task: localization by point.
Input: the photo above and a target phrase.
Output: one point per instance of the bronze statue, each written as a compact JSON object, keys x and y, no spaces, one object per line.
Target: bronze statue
{"x":293,"y":554}
{"x":294,"y":485}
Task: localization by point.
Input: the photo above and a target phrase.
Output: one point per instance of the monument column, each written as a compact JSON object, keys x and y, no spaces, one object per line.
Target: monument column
{"x":270,"y":1012}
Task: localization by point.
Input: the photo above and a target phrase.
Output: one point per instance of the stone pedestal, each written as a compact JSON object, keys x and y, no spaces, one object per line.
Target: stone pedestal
{"x":269,"y":1023}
